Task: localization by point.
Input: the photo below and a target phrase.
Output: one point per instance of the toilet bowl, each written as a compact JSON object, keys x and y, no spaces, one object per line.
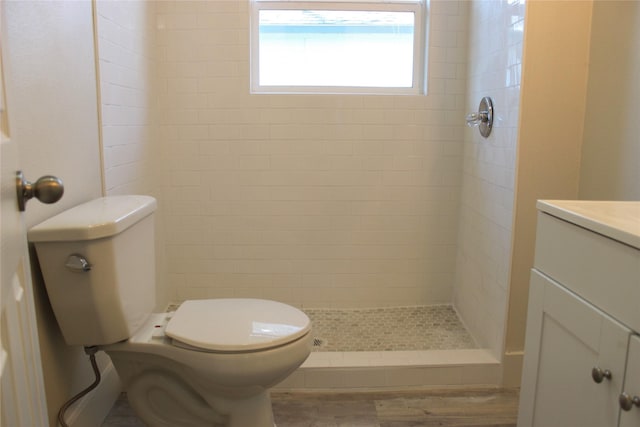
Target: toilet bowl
{"x":209,"y":363}
{"x":219,"y":372}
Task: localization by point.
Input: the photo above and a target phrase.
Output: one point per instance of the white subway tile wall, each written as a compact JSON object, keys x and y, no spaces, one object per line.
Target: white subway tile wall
{"x":127,"y":54}
{"x":126,"y":51}
{"x":484,"y":239}
{"x":316,"y":200}
{"x":313,"y":200}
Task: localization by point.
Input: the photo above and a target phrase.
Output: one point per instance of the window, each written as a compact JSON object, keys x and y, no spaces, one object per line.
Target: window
{"x":339,"y":46}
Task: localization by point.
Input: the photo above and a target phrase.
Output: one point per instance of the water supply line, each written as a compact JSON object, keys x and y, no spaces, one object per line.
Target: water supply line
{"x":91,"y":351}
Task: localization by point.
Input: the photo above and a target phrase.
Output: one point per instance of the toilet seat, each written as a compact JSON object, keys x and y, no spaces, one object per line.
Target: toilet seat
{"x":236,"y":324}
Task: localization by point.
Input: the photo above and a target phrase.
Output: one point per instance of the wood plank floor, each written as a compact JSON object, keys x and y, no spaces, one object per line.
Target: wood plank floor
{"x":476,"y":407}
{"x":450,"y":408}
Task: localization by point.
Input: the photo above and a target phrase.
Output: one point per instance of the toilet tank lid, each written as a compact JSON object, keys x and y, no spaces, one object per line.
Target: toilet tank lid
{"x":98,"y":218}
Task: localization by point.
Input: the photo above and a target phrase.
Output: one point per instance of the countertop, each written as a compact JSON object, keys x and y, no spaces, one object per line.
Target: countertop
{"x":614,"y":219}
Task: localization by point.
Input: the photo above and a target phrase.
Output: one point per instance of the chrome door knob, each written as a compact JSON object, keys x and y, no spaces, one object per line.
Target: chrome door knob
{"x":627,"y":402}
{"x":47,"y":189}
{"x":599,"y":375}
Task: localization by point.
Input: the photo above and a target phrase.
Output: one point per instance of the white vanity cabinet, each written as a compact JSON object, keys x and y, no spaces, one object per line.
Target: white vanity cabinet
{"x":582,"y":350}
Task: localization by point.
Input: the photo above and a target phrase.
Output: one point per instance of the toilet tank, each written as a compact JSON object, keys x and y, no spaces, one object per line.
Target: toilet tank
{"x":107,"y":300}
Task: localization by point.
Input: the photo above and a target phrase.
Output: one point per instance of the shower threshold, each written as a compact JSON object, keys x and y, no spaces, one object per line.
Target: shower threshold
{"x":392,"y":347}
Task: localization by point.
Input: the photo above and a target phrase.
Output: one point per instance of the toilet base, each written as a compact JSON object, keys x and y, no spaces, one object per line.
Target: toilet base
{"x":162,"y":400}
{"x":253,"y":411}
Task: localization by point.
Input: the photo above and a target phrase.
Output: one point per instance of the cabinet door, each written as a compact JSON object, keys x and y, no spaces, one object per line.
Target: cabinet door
{"x":632,"y":383}
{"x":566,"y":338}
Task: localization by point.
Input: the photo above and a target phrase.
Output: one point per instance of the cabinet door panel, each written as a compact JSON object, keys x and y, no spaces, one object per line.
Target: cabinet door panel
{"x":632,"y":383}
{"x":566,"y":338}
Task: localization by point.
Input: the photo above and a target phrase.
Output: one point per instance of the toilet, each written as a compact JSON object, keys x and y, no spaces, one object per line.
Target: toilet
{"x":209,"y":363}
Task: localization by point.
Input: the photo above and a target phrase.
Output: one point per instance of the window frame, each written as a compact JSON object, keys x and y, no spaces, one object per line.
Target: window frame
{"x":418,"y":7}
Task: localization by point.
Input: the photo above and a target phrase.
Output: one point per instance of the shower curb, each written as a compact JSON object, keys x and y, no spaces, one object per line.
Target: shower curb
{"x":393,"y":369}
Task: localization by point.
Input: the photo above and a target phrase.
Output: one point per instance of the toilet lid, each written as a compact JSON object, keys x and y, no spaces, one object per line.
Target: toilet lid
{"x":236,"y":324}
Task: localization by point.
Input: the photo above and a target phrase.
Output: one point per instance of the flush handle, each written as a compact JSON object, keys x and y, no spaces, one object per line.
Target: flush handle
{"x":47,"y":189}
{"x":78,"y":264}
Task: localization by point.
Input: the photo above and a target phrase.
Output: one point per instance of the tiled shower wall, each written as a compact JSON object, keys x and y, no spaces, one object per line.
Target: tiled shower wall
{"x":313,"y":200}
{"x":131,"y":150}
{"x":126,"y":50}
{"x":484,"y":239}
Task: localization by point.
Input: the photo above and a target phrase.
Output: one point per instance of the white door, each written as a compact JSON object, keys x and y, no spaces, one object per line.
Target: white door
{"x":23,"y":401}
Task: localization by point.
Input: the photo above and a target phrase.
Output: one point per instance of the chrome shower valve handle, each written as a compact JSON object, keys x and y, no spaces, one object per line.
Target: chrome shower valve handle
{"x":474,"y":119}
{"x":483,"y":118}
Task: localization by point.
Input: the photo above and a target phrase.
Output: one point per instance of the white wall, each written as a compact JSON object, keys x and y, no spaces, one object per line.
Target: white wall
{"x":484,"y":236}
{"x":555,"y":69}
{"x":313,"y":200}
{"x":610,"y":168}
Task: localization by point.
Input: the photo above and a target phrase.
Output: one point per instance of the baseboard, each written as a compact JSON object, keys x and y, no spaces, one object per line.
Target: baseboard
{"x":91,"y":410}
